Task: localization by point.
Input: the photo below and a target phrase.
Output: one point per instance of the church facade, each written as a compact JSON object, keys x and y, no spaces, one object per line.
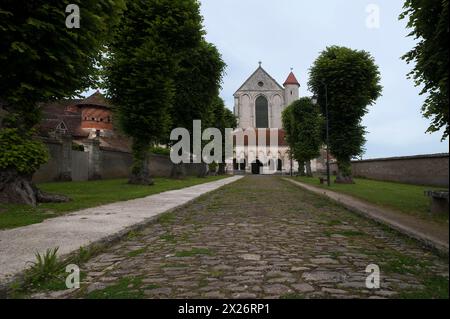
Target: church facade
{"x":258,"y":105}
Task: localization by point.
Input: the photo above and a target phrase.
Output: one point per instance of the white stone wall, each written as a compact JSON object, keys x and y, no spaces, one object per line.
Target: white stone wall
{"x":259,"y":83}
{"x":291,"y":93}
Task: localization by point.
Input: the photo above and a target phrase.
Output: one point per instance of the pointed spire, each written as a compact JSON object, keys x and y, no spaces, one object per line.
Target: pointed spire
{"x":291,"y":79}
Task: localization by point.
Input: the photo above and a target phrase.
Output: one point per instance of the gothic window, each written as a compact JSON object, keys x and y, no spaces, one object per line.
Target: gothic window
{"x":262,"y":112}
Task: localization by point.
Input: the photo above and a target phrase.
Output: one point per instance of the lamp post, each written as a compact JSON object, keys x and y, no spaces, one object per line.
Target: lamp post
{"x":314,"y":100}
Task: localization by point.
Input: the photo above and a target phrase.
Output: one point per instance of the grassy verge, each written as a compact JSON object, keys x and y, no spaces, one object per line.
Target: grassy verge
{"x":431,"y":286}
{"x":405,"y":198}
{"x":88,"y":194}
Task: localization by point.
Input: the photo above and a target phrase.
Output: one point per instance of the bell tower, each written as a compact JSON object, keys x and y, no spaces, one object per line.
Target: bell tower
{"x":291,"y":89}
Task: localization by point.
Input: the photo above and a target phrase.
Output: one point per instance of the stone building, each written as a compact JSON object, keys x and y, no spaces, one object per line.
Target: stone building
{"x":258,"y":105}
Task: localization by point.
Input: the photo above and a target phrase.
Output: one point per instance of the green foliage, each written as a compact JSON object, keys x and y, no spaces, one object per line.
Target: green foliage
{"x":221,"y":118}
{"x":160,"y":150}
{"x":194,"y":252}
{"x":20,"y":152}
{"x":352,"y":81}
{"x":143,"y":60}
{"x":46,"y":268}
{"x":212,"y":167}
{"x":197,"y":85}
{"x":429,"y":22}
{"x":303,"y":123}
{"x":404,"y":198}
{"x":41,"y":59}
{"x":48,"y":273}
{"x":125,"y":288}
{"x":77,"y":147}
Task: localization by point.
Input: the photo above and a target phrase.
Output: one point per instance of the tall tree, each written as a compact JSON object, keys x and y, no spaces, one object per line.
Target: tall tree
{"x":222,"y":118}
{"x":145,"y":57}
{"x":41,"y":59}
{"x":429,"y":22}
{"x":303,"y":126}
{"x":197,"y":84}
{"x":351,"y":80}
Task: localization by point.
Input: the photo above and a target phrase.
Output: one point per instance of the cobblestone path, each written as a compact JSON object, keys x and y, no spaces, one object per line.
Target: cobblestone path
{"x":262,"y":237}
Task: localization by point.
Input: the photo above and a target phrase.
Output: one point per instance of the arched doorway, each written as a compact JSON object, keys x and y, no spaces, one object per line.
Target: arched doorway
{"x":279,"y":165}
{"x":256,"y":166}
{"x":261,"y":112}
{"x":242,"y":164}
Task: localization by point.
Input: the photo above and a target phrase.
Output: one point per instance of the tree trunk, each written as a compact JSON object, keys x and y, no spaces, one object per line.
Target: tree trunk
{"x":221,"y":169}
{"x":308,"y":169}
{"x":140,"y":174}
{"x":301,"y":168}
{"x":203,"y":170}
{"x":19,"y":189}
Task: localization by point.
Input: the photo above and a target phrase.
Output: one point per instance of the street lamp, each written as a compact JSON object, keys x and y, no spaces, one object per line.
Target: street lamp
{"x":315,"y":100}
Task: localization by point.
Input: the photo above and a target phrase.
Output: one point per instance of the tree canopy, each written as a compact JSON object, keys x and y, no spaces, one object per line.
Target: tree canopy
{"x":145,"y":56}
{"x":302,"y":123}
{"x":429,"y":22}
{"x":197,"y":85}
{"x":222,"y":118}
{"x":352,"y":82}
{"x":41,"y":59}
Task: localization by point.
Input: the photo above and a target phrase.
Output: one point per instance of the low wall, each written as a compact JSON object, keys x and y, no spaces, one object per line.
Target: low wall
{"x":115,"y":164}
{"x":160,"y":165}
{"x":51,"y":170}
{"x":431,"y":169}
{"x":107,"y":164}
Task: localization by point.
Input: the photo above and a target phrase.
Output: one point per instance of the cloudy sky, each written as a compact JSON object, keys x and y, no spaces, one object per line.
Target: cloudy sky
{"x":291,"y":33}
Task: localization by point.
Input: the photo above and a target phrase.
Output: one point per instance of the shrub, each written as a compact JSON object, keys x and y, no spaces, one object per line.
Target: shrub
{"x":21,"y":153}
{"x":46,"y":268}
{"x":213,"y":167}
{"x":160,"y":150}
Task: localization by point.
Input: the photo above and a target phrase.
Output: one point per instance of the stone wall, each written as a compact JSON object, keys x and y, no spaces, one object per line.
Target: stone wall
{"x":95,"y":162}
{"x":51,"y":170}
{"x":115,"y":164}
{"x":431,"y":169}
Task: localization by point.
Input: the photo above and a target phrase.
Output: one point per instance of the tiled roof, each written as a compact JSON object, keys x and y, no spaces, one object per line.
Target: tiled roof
{"x":118,"y":143}
{"x":291,"y":79}
{"x":96,"y":99}
{"x":54,"y":113}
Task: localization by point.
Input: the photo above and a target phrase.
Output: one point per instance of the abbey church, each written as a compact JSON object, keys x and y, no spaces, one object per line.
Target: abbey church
{"x":258,"y":104}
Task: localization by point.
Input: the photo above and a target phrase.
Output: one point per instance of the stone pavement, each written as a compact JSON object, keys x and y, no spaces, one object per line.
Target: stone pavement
{"x":81,"y":228}
{"x":261,"y":237}
{"x":431,"y":233}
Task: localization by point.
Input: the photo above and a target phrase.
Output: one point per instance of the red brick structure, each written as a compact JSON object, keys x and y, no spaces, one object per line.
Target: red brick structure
{"x":83,"y":119}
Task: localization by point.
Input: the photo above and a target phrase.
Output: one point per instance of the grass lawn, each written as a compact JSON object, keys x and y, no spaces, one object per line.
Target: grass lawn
{"x":88,"y":194}
{"x":409,"y":199}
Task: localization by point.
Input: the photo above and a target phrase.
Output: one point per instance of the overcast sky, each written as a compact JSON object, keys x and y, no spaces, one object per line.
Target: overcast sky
{"x":291,"y":33}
